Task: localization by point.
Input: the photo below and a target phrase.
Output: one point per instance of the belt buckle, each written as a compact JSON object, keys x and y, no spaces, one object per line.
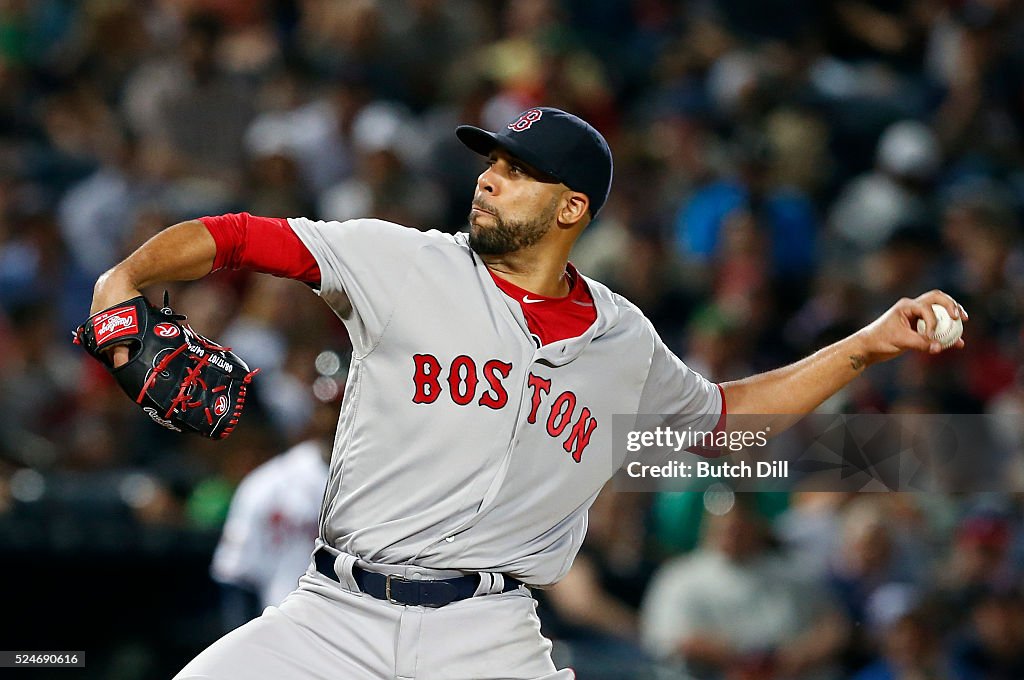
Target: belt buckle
{"x":387,"y":587}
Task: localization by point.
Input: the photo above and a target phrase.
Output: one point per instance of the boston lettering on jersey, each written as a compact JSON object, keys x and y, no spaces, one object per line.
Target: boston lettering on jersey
{"x":464,"y":382}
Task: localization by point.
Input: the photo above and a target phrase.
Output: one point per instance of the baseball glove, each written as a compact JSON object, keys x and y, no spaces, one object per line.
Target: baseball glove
{"x":182,"y":380}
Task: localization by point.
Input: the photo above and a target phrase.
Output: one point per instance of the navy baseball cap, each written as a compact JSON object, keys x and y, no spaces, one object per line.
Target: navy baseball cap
{"x":558,"y":144}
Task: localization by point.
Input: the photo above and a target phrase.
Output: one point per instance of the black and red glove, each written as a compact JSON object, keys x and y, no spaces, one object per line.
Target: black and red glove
{"x":181,"y":379}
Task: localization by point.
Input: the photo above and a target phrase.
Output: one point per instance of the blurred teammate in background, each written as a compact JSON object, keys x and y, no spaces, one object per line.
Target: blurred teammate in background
{"x":271,"y":524}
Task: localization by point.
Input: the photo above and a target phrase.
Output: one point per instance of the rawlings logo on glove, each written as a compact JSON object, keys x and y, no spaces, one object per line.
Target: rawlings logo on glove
{"x":115,"y":323}
{"x":181,"y":379}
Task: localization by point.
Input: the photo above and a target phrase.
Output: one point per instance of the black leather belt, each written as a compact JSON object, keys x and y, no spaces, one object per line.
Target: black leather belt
{"x":399,"y":590}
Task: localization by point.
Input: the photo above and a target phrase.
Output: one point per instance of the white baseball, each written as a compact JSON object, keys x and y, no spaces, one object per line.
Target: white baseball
{"x":947,"y":330}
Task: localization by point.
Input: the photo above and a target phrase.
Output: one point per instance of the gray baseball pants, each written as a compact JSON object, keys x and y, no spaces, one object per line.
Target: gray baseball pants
{"x":330,"y":631}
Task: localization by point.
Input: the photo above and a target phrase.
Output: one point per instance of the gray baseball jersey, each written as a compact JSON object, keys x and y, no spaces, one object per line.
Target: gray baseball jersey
{"x":461,"y":443}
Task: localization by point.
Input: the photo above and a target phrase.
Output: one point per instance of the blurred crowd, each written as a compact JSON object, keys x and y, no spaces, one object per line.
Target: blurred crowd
{"x":805,"y":585}
{"x":785,"y":170}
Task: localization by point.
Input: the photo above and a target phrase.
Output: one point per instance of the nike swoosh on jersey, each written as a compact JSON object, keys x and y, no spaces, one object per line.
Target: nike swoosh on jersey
{"x":527,"y":300}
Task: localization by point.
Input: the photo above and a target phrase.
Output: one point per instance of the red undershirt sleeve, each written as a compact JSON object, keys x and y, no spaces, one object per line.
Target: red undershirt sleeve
{"x":261,"y":244}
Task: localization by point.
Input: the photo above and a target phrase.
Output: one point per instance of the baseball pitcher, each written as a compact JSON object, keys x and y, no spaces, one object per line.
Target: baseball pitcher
{"x":477,"y":421}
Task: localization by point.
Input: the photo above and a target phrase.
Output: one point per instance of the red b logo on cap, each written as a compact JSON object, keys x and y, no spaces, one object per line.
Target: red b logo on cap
{"x":526,"y":120}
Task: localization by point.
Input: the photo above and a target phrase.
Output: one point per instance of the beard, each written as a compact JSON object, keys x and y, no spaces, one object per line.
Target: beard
{"x":507,"y":235}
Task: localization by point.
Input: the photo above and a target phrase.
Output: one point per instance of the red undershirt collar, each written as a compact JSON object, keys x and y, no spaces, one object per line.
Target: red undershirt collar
{"x":554,"y":318}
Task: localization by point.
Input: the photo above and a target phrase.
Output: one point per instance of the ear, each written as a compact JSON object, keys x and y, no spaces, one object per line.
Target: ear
{"x":574,"y":208}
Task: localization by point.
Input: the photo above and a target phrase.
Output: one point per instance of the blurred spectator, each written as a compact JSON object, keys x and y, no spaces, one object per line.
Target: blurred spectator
{"x":896,"y":193}
{"x":336,"y":38}
{"x":97,"y":213}
{"x":982,"y":232}
{"x":758,"y":237}
{"x":208,"y":500}
{"x":979,"y":561}
{"x":271,"y":524}
{"x":974,"y":54}
{"x":383,"y":185}
{"x":32,"y":260}
{"x":716,"y":344}
{"x":911,"y":649}
{"x":786,"y":218}
{"x":734,"y":608}
{"x":678,"y":519}
{"x":539,"y":58}
{"x":888,"y":33}
{"x":594,"y":608}
{"x":872,"y":554}
{"x":37,"y":383}
{"x":1008,"y":426}
{"x":872,"y":557}
{"x":440,"y":29}
{"x":905,"y":261}
{"x":810,"y":530}
{"x":638,"y":264}
{"x":993,"y":646}
{"x":190,"y":103}
{"x":275,"y":185}
{"x":316,"y":133}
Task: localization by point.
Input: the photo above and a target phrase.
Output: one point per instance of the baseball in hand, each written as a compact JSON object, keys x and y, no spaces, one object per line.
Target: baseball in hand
{"x":947,"y":330}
